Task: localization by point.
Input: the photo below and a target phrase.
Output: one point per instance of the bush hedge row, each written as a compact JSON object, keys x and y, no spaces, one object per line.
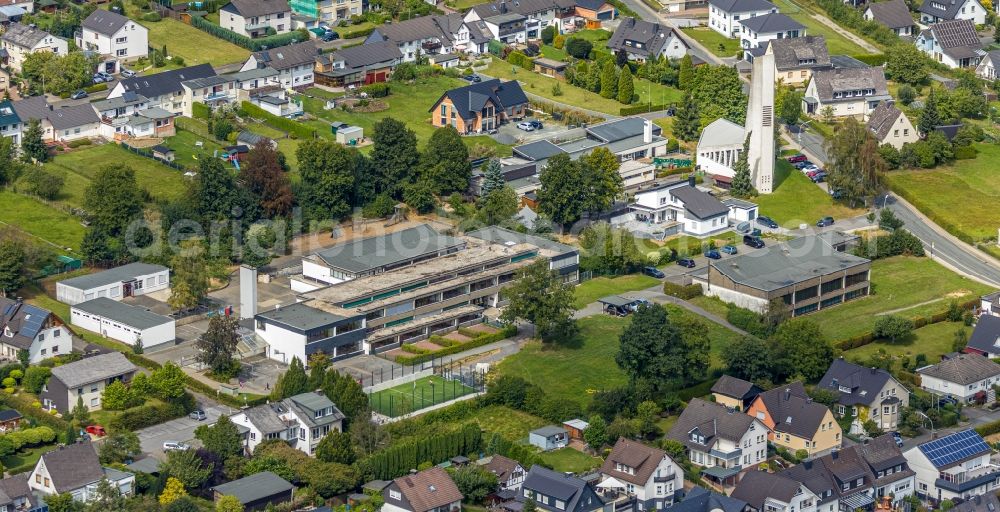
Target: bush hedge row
{"x":632,"y":110}
{"x":356,"y":32}
{"x":918,"y":322}
{"x":681,"y":291}
{"x":254,"y":45}
{"x":148,"y":415}
{"x":478,"y":340}
{"x":292,"y":127}
{"x":990,"y":428}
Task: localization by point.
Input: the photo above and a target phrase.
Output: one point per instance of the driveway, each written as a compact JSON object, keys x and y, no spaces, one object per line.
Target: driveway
{"x":151,"y":439}
{"x":511,"y":135}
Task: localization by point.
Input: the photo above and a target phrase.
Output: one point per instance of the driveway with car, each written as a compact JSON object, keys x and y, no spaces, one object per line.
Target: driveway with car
{"x":179,"y":430}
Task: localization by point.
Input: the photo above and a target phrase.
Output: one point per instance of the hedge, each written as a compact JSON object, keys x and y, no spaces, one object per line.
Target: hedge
{"x":989,"y":428}
{"x":872,"y":59}
{"x":292,"y":127}
{"x":357,"y":32}
{"x":254,"y":45}
{"x":25,"y":406}
{"x":681,"y":291}
{"x":96,"y":88}
{"x":443,"y":342}
{"x":148,"y":415}
{"x":478,"y":341}
{"x":918,"y":322}
{"x":632,"y":110}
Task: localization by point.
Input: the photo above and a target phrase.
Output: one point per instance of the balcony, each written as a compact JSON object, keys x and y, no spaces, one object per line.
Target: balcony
{"x":250,"y":27}
{"x":665,"y":478}
{"x":962,"y":482}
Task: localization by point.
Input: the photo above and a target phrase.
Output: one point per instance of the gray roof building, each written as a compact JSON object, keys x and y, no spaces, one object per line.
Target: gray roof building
{"x":770,"y":23}
{"x":288,"y":56}
{"x":72,"y":467}
{"x":167,"y":82}
{"x":500,"y":235}
{"x":20,"y":323}
{"x":757,"y":486}
{"x":640,"y":37}
{"x":267,"y":417}
{"x":893,"y":14}
{"x":441,"y":27}
{"x":362,"y":56}
{"x":113,"y":275}
{"x":254,"y":8}
{"x":14,"y":489}
{"x":958,"y":38}
{"x":632,"y":461}
{"x":963,"y":369}
{"x":63,"y":118}
{"x":711,"y":422}
{"x":93,"y":369}
{"x":942,"y":9}
{"x":263,"y":487}
{"x":105,"y":22}
{"x":25,"y":36}
{"x":737,"y":6}
{"x":830,"y":84}
{"x":882,"y":118}
{"x":793,"y":411}
{"x":367,"y":255}
{"x":987,"y":502}
{"x":126,"y":314}
{"x":700,"y":499}
{"x":469,"y":100}
{"x":525,"y":7}
{"x":854,"y":384}
{"x":807,"y":52}
{"x":985,"y":337}
{"x":701,"y":205}
{"x":300,"y":317}
{"x":738,"y":389}
{"x":577,"y":494}
{"x":778,"y":266}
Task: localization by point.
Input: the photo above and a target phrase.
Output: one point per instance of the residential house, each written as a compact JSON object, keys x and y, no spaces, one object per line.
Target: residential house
{"x":628,"y":138}
{"x":259,"y":491}
{"x":720,"y":439}
{"x":796,"y":58}
{"x":893,"y":476}
{"x":27,"y":6}
{"x":775,"y":492}
{"x":550,"y":437}
{"x":936,"y":11}
{"x":540,"y":13}
{"x":741,"y":211}
{"x":301,"y":420}
{"x":853,"y":92}
{"x":735,"y":393}
{"x":595,"y":10}
{"x":719,"y":147}
{"x":256,"y":18}
{"x":116,"y":283}
{"x":642,"y":40}
{"x":329,"y":12}
{"x":699,"y":499}
{"x":644,"y":475}
{"x":979,"y":503}
{"x":26,"y":327}
{"x":358,"y":65}
{"x":966,"y":377}
{"x":16,"y":496}
{"x":123,"y":322}
{"x":757,"y":31}
{"x":841,"y":479}
{"x":509,"y":472}
{"x":953,"y":43}
{"x":84,"y":381}
{"x":894,"y":14}
{"x":231,"y":88}
{"x":293,"y":62}
{"x":278,"y":104}
{"x":64,"y":124}
{"x":163,"y":90}
{"x":988,"y":67}
{"x":480,"y":107}
{"x":19,"y":41}
{"x":959,"y":465}
{"x":985,"y":339}
{"x":114,"y":37}
{"x":76,"y":470}
{"x":795,"y":421}
{"x":724,"y":16}
{"x":865,"y":394}
{"x":677,"y":204}
{"x":10,"y":124}
{"x":430,"y":35}
{"x":553,"y":491}
{"x":890,"y":126}
{"x":430,"y":490}
{"x":10,"y":419}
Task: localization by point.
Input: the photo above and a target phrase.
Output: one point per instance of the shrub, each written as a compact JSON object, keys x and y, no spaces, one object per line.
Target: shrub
{"x":79,"y":143}
{"x":151,"y":16}
{"x":682,"y":292}
{"x":281,"y":123}
{"x":479,"y":339}
{"x":245,"y":42}
{"x":96,"y":88}
{"x":148,"y":415}
{"x":559,"y":42}
{"x":376,"y":90}
{"x":579,"y":48}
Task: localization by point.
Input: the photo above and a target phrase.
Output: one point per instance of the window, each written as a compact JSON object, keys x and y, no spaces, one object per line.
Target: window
{"x":38,"y":479}
{"x":43,"y":351}
{"x":115,"y":291}
{"x":162,"y":279}
{"x":394,"y":494}
{"x":56,"y":333}
{"x":95,"y":402}
{"x":122,"y":53}
{"x":261,"y":326}
{"x":93,"y":389}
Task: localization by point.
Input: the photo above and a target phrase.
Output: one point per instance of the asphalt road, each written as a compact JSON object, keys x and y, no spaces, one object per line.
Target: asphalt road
{"x":151,"y":439}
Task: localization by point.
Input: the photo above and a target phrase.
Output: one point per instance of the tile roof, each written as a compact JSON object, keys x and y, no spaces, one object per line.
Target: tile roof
{"x":367,"y":54}
{"x":735,"y":6}
{"x":979,"y":503}
{"x":800,"y":52}
{"x":986,"y":334}
{"x":502,"y":467}
{"x":428,"y":489}
{"x":566,"y":488}
{"x":782,"y":265}
{"x":15,"y":487}
{"x":652,"y":36}
{"x":882,"y":119}
{"x":253,"y":8}
{"x":255,"y":487}
{"x":958,"y":38}
{"x":892,"y":14}
{"x":823,"y":474}
{"x":74,"y":466}
{"x":793,"y":411}
{"x":757,"y":486}
{"x":113,"y":275}
{"x":470,"y":99}
{"x":642,"y":459}
{"x":734,"y":387}
{"x":713,"y":421}
{"x":699,"y":204}
{"x":525,"y":7}
{"x":133,"y":316}
{"x":92,"y":369}
{"x":20,"y":323}
{"x":864,"y":383}
{"x":850,"y":79}
{"x":441,"y":27}
{"x":24,"y":36}
{"x":288,"y":56}
{"x":105,"y":22}
{"x":167,"y":82}
{"x":770,"y":23}
{"x":962,"y":369}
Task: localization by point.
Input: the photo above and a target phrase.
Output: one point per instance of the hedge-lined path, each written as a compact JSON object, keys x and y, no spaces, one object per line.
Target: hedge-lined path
{"x":655,"y":294}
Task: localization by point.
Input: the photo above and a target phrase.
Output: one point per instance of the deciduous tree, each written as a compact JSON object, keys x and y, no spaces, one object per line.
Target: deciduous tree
{"x":121,"y":445}
{"x":719,"y":93}
{"x":228,"y":504}
{"x":190,"y":275}
{"x":222,"y":439}
{"x":802,"y":349}
{"x":497,"y":206}
{"x":328,"y":174}
{"x":892,"y":327}
{"x":186,"y":467}
{"x":172,"y":491}
{"x":596,"y":433}
{"x":538,"y":296}
{"x":854,"y":163}
{"x":263,"y":175}
{"x":654,"y":350}
{"x":336,"y":447}
{"x":12,"y":260}
{"x":445,"y":162}
{"x":394,"y":156}
{"x":749,"y":358}
{"x":217,"y":346}
{"x":474,"y":482}
{"x":904,"y":63}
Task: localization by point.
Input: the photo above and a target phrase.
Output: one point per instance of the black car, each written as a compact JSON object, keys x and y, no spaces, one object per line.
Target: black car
{"x":753,"y":241}
{"x":653,"y":272}
{"x":330,"y":36}
{"x":537,"y":124}
{"x":686,"y":262}
{"x":767,"y":222}
{"x":825,"y":221}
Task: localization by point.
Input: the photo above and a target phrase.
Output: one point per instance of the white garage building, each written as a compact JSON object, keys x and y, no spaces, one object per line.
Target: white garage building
{"x":123,"y":322}
{"x":116,"y":283}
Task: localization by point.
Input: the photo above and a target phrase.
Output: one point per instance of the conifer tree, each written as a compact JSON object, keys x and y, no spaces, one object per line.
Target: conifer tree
{"x":626,"y":87}
{"x":742,"y":185}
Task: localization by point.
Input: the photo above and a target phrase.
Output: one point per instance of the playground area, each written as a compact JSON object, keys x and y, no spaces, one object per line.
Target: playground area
{"x":425,"y":392}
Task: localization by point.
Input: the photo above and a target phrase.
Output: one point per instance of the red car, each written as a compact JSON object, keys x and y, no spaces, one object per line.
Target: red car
{"x":95,"y":430}
{"x":794,"y":159}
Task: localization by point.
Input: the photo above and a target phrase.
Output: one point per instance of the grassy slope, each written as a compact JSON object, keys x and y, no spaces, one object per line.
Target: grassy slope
{"x":602,"y":286}
{"x":41,"y":220}
{"x":195,"y":46}
{"x":836,"y":43}
{"x":570,"y":460}
{"x":81,"y":166}
{"x":931,"y":340}
{"x":796,"y":200}
{"x":712,"y":39}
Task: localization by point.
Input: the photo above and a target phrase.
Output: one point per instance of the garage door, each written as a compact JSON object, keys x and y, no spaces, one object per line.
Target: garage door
{"x":606,"y":15}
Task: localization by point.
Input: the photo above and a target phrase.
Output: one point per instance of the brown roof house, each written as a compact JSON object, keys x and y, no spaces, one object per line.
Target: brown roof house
{"x":796,"y":422}
{"x":510,"y":474}
{"x":431,"y":490}
{"x":75,"y":469}
{"x":720,"y":439}
{"x":894,"y":14}
{"x":890,"y":126}
{"x":735,"y":393}
{"x":796,"y":58}
{"x":641,"y":474}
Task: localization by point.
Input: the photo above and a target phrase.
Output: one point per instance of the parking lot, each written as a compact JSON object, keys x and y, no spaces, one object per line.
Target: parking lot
{"x":181,"y":430}
{"x":510,"y":134}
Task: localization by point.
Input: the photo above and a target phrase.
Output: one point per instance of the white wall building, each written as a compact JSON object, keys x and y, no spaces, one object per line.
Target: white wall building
{"x":697,"y":213}
{"x":162,"y":90}
{"x":958,"y":465}
{"x":123,"y":322}
{"x":719,"y":147}
{"x":31,"y":328}
{"x":256,"y":18}
{"x":936,"y":11}
{"x":643,"y":473}
{"x":724,"y":15}
{"x":116,"y":283}
{"x":853,"y":92}
{"x":22,"y":40}
{"x":718,"y":437}
{"x":302,"y":419}
{"x":116,"y":38}
{"x":76,"y":470}
{"x":294,"y":63}
{"x":756,"y":31}
{"x":961,"y":376}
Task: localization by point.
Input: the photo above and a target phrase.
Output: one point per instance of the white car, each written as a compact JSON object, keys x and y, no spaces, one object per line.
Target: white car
{"x":170,"y":446}
{"x":810,"y":167}
{"x":526,"y":126}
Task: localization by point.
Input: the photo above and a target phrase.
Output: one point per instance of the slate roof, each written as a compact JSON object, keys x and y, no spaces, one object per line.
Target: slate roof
{"x":257,"y":486}
{"x":24,"y":36}
{"x":501,"y":466}
{"x":850,"y":79}
{"x":699,"y":499}
{"x":62,"y":118}
{"x":15,"y":487}
{"x":428,"y":489}
{"x":958,"y":38}
{"x":795,"y":52}
{"x":105,"y":22}
{"x":8,"y":115}
{"x":367,"y":54}
{"x":21,"y":321}
{"x":307,"y":404}
{"x":365,"y":254}
{"x":699,"y":204}
{"x":962,"y":369}
{"x":883,"y":453}
{"x":441,"y":27}
{"x":736,"y":6}
{"x":252,"y":8}
{"x":113,"y":275}
{"x":652,"y":36}
{"x":563,"y":487}
{"x":9,"y":415}
{"x":951,"y":8}
{"x":525,"y":7}
{"x":92,"y":369}
{"x":300,"y":316}
{"x":823,"y":474}
{"x":74,"y":466}
{"x":864,"y":383}
{"x":734,"y":387}
{"x":893,"y":14}
{"x":641,"y":458}
{"x":770,"y":23}
{"x":979,"y":503}
{"x":986,"y":334}
{"x":167,"y":82}
{"x":793,"y":411}
{"x":757,"y":486}
{"x":288,"y":56}
{"x":882,"y":119}
{"x":126,"y":314}
{"x":549,"y":431}
{"x":713,"y":421}
{"x":470,"y":99}
{"x":538,"y":150}
{"x":782,"y":265}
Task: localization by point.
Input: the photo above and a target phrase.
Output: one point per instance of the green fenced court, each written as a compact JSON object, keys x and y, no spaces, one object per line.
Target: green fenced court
{"x":424,"y":392}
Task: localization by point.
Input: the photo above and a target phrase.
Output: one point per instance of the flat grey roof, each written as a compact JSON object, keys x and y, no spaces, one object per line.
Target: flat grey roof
{"x":300,"y":316}
{"x":500,"y":235}
{"x":617,"y":300}
{"x":782,"y":265}
{"x":132,"y":316}
{"x":549,"y":431}
{"x":114,"y":275}
{"x":254,"y":487}
{"x":146,"y":465}
{"x":370,"y":253}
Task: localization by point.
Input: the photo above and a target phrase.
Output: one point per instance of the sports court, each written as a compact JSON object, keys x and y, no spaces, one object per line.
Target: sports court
{"x":419,"y":394}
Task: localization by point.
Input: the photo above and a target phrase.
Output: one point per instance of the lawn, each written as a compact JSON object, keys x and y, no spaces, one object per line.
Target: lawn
{"x":714,"y":41}
{"x":24,"y":460}
{"x":195,"y":46}
{"x":599,"y":287}
{"x":551,"y":52}
{"x":541,"y":85}
{"x":593,"y":35}
{"x":41,"y":220}
{"x":416,"y":395}
{"x":836,"y":43}
{"x":909,"y":286}
{"x":569,"y":460}
{"x":796,"y":199}
{"x":509,"y":423}
{"x":932,"y":340}
{"x":961,"y":197}
{"x":186,"y":153}
{"x":81,"y":166}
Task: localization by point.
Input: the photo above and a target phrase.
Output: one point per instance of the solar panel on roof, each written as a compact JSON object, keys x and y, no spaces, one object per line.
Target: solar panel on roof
{"x":33,"y":320}
{"x":954,"y":448}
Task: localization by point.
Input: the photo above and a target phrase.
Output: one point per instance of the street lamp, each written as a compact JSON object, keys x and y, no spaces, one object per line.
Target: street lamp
{"x":929,"y":420}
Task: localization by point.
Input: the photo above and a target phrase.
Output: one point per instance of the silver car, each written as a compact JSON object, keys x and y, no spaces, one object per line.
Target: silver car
{"x":171,"y":446}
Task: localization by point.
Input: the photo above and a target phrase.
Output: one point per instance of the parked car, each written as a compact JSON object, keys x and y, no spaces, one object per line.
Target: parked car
{"x":526,"y":126}
{"x":767,"y":222}
{"x":170,"y":446}
{"x":898,"y":438}
{"x":825,"y":221}
{"x":753,"y":241}
{"x":813,"y":172}
{"x":796,"y":158}
{"x":95,"y":430}
{"x":79,"y":95}
{"x":536,"y":123}
{"x":330,"y":35}
{"x":802,"y":165}
{"x":713,"y":254}
{"x":729,"y":249}
{"x":819,"y":177}
{"x":653,"y":272}
{"x":945,"y":400}
{"x":686,"y":262}
{"x":99,"y":78}
{"x":836,"y":194}
{"x":473,"y":78}
{"x":198,"y":415}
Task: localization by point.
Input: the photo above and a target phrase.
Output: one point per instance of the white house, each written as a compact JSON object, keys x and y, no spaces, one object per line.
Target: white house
{"x":777,"y":492}
{"x":740,"y":210}
{"x":431,"y":490}
{"x":894,"y":14}
{"x":10,"y":124}
{"x":953,"y":43}
{"x":987,"y":68}
{"x":756,"y":31}
{"x":680,"y":204}
{"x":962,"y":376}
{"x":719,"y":147}
{"x":116,"y":38}
{"x":891,"y":126}
{"x":936,"y":11}
{"x":294,"y":63}
{"x":123,"y":322}
{"x":436,"y":35}
{"x":76,"y":470}
{"x":509,"y":472}
{"x":24,"y":327}
{"x":642,"y":40}
{"x":724,"y":15}
{"x":641,"y":473}
{"x":22,"y":40}
{"x":116,"y":283}
{"x":854,"y":92}
{"x":256,"y":18}
{"x":303,"y":420}
{"x":958,"y":465}
{"x":65,"y":123}
{"x":720,"y":438}
{"x":27,"y":5}
{"x":162,"y":90}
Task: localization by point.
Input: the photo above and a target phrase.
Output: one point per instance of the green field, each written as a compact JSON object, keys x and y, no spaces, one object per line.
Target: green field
{"x":416,"y":395}
{"x":712,"y":40}
{"x":44,"y":222}
{"x":596,"y":35}
{"x":962,"y":197}
{"x":599,"y":287}
{"x":80,"y":166}
{"x":570,"y":460}
{"x":796,"y":199}
{"x":836,"y":43}
{"x":932,"y":340}
{"x":186,"y":153}
{"x":510,"y":423}
{"x":195,"y":46}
